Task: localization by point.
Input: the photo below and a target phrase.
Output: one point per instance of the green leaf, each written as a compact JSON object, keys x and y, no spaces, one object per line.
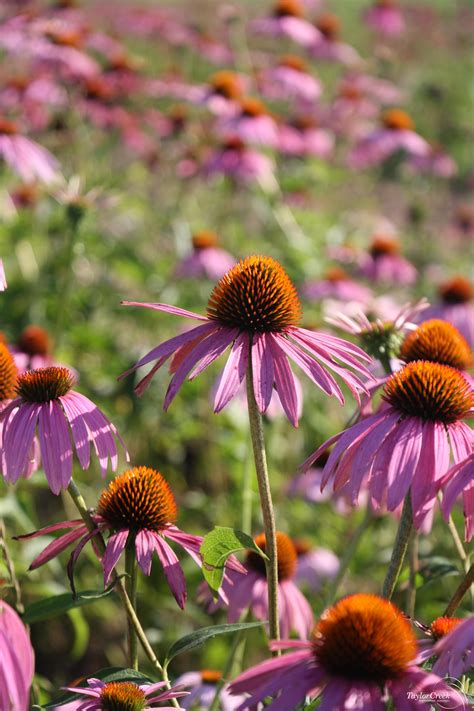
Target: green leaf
{"x":59,"y":604}
{"x":436,"y":567}
{"x":107,"y":674}
{"x":217,"y":546}
{"x":197,"y":638}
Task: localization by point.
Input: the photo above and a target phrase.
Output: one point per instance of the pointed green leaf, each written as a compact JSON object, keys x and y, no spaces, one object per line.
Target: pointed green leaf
{"x":197,"y":638}
{"x":217,"y":546}
{"x":59,"y":604}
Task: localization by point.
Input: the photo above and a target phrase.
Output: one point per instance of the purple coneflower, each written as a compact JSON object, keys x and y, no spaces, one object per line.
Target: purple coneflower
{"x":202,"y":687}
{"x":45,"y":399}
{"x":386,"y":17}
{"x":304,"y":137}
{"x":287,"y":20}
{"x":207,"y":259}
{"x":455,"y":649}
{"x":250,"y":591}
{"x":17,"y":661}
{"x":290,"y":79}
{"x":315,"y":566}
{"x":251,"y":123}
{"x":25,"y":157}
{"x":362,"y":650}
{"x":256,"y":309}
{"x":409,"y":442}
{"x":138,"y":509}
{"x":396,"y":134}
{"x":328,"y":46}
{"x":337,"y":284}
{"x":123,"y":695}
{"x":33,"y":349}
{"x":240,"y":162}
{"x":456,"y":305}
{"x":384,"y":263}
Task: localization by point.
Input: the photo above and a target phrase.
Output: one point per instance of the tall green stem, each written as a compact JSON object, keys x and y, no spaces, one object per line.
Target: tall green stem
{"x":260,"y":457}
{"x":405,"y":528}
{"x":84,"y":512}
{"x":131,"y":588}
{"x":459,"y":593}
{"x":349,"y":551}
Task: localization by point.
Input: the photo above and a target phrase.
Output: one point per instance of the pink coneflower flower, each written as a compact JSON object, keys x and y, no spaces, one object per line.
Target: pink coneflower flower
{"x":396,"y":134}
{"x":386,"y":17}
{"x":455,"y":650}
{"x":223,"y":91}
{"x":45,"y":399}
{"x":290,"y":79}
{"x":362,"y":650}
{"x":3,"y":278}
{"x":336,"y":284}
{"x":459,"y":481}
{"x":33,"y":349}
{"x":384,"y":263}
{"x":328,"y":45}
{"x":202,"y":687}
{"x":207,"y":259}
{"x":240,"y":162}
{"x":251,"y":123}
{"x":100,"y":695}
{"x":256,"y":309}
{"x":304,"y":137}
{"x":138,"y":509}
{"x":25,"y":157}
{"x":455,"y":305}
{"x":250,"y":591}
{"x":437,"y":341}
{"x":17,"y":661}
{"x":315,"y":566}
{"x":287,"y":20}
{"x":408,"y":443}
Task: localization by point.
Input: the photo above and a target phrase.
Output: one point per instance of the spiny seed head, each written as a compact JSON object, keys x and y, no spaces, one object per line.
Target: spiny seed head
{"x":430,"y":391}
{"x":66,"y":38}
{"x":251,"y":107}
{"x":382,"y":246}
{"x":44,"y":384}
{"x":205,"y":239}
{"x":287,"y":556}
{"x":256,"y":295}
{"x":335,"y":274}
{"x":458,"y":290}
{"x":364,"y":638}
{"x":138,"y":499}
{"x":288,"y":8}
{"x":8,"y":373}
{"x":210,"y":676}
{"x":329,"y":25}
{"x":443,"y":625}
{"x":226,"y":84}
{"x":122,"y":696}
{"x":292,"y":61}
{"x":397,"y":120}
{"x":437,"y":341}
{"x":34,"y":341}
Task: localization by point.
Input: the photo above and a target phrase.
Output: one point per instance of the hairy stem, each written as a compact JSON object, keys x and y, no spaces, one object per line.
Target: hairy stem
{"x":131,"y":588}
{"x":349,"y":552}
{"x":260,"y":457}
{"x":402,"y":539}
{"x":459,"y":593}
{"x":129,"y":609}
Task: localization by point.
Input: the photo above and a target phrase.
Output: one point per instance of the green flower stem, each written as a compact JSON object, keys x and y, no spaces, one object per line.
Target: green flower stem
{"x":247,"y":495}
{"x":349,"y":552}
{"x":258,"y":444}
{"x":129,"y":609}
{"x":459,"y":593}
{"x":131,"y":588}
{"x":414,"y":566}
{"x":405,"y":528}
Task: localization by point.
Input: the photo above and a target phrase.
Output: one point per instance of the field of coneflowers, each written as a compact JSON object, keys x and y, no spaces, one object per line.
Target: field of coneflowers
{"x":237,"y":322}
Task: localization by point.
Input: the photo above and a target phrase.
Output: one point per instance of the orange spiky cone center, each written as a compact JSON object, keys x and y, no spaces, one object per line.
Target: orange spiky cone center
{"x":382,"y":246}
{"x":329,"y":25}
{"x":458,"y":290}
{"x":256,"y":295}
{"x":8,"y":373}
{"x":44,"y":384}
{"x":211,"y":676}
{"x":138,"y":499}
{"x":397,"y":120}
{"x":34,"y":341}
{"x":288,"y":8}
{"x":122,"y":696}
{"x":430,"y":391}
{"x":364,"y":638}
{"x":443,"y":626}
{"x":226,"y":83}
{"x":437,"y":341}
{"x":204,"y":239}
{"x":287,"y":556}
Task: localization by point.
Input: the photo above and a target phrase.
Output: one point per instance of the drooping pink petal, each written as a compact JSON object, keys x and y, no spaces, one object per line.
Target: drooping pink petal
{"x":172,"y":570}
{"x":75,"y":555}
{"x":18,"y":431}
{"x":56,"y":449}
{"x":79,"y":430}
{"x":233,"y":373}
{"x":262,"y":371}
{"x":144,"y":547}
{"x":285,"y":382}
{"x":167,"y":308}
{"x":57,"y":546}
{"x":114,"y":549}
